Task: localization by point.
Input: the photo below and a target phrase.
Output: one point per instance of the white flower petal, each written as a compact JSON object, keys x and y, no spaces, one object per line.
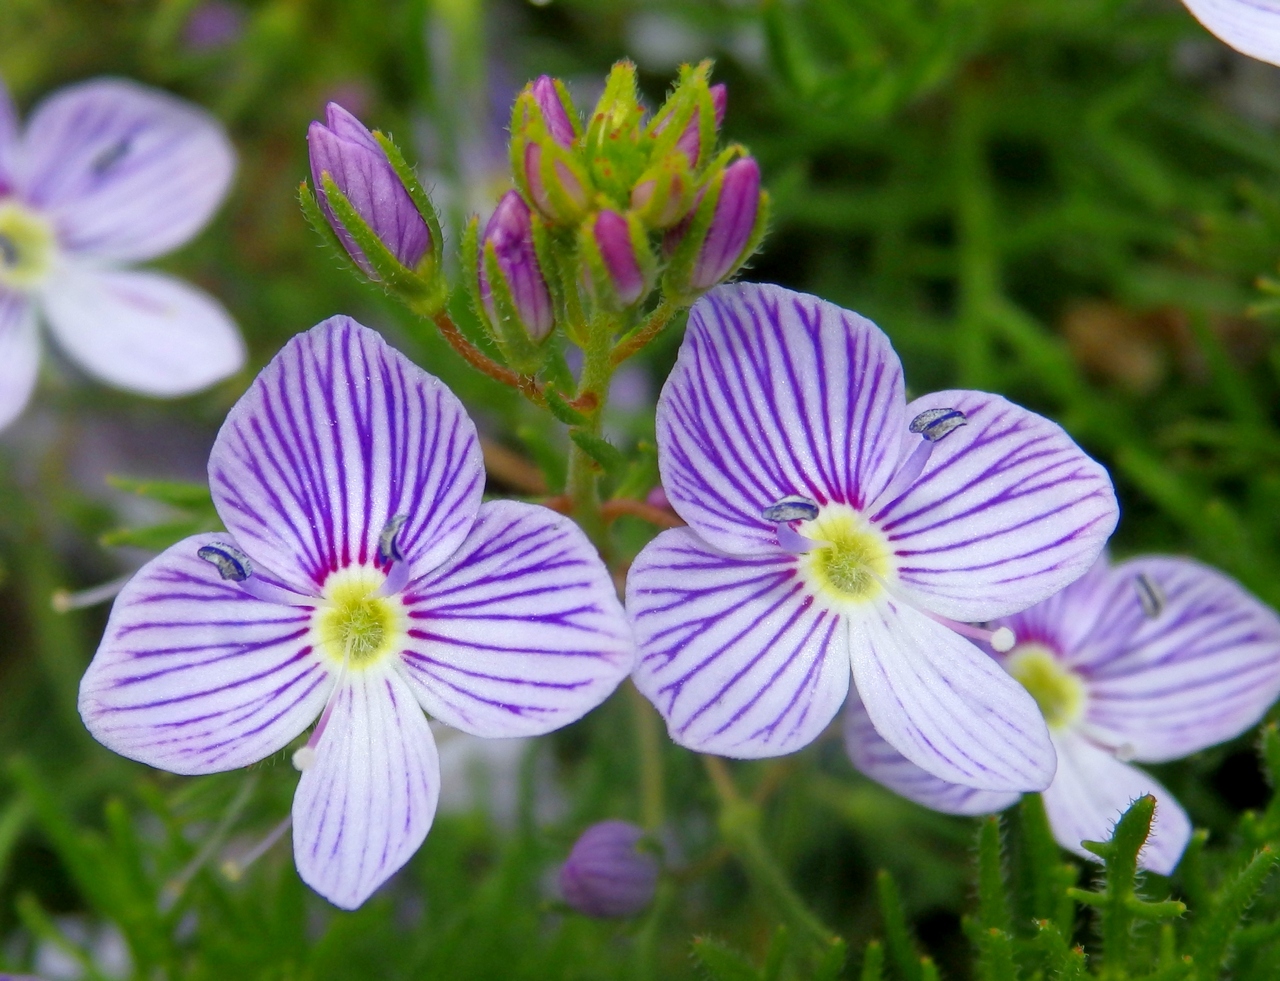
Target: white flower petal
{"x":1007,"y":511}
{"x":874,"y":757}
{"x":775,"y":394}
{"x":367,"y":800}
{"x":194,"y":675}
{"x":733,"y":651}
{"x":1090,"y":792}
{"x":1249,"y":26}
{"x":19,"y":355}
{"x":127,"y":173}
{"x":946,"y":706}
{"x":142,"y":331}
{"x":520,"y":631}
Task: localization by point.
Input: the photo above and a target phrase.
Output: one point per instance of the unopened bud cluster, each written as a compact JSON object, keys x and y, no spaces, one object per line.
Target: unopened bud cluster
{"x":604,"y":211}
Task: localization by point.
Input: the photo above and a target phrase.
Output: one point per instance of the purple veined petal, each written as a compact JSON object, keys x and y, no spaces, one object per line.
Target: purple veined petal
{"x":126,"y":172}
{"x":734,"y":653}
{"x":1203,"y":670}
{"x":142,"y":331}
{"x":1090,"y":792}
{"x":193,"y":675}
{"x":367,"y":800}
{"x":520,"y":631}
{"x":775,"y":394}
{"x":944,"y":705}
{"x":1007,"y":511}
{"x":337,"y":435}
{"x":875,"y":758}
{"x":19,"y":354}
{"x":1066,"y":622}
{"x":1249,"y":26}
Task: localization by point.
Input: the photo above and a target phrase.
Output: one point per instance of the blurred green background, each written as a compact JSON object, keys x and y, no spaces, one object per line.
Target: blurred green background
{"x":1075,"y":203}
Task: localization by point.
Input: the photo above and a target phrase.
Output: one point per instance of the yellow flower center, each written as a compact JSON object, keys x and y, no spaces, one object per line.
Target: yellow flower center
{"x":353,"y":625}
{"x":27,"y":246}
{"x":1057,"y":690}
{"x":855,"y":559}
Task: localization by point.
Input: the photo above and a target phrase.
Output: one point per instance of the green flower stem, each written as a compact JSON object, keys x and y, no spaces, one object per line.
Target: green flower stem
{"x":639,"y":338}
{"x":740,"y":829}
{"x":649,"y":745}
{"x":583,"y":484}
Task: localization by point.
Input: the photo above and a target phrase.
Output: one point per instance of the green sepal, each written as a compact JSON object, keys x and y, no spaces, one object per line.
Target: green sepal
{"x":546,"y":249}
{"x":691,"y":97}
{"x":832,"y":961}
{"x":509,"y":332}
{"x":426,"y":295}
{"x":1212,"y":941}
{"x":608,"y":456}
{"x":873,"y":962}
{"x":562,"y":410}
{"x":318,"y":220}
{"x":901,"y":945}
{"x":720,"y":962}
{"x":597,"y":273}
{"x":565,"y":208}
{"x":615,"y":150}
{"x":673,"y":194}
{"x":421,"y":201}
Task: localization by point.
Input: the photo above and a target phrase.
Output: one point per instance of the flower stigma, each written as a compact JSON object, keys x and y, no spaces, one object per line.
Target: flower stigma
{"x":1057,"y":690}
{"x":353,"y":624}
{"x":27,"y":246}
{"x":852,"y":560}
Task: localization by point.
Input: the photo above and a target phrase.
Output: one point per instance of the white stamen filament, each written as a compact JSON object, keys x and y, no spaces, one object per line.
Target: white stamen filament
{"x":233,"y":869}
{"x":63,"y":601}
{"x":1123,"y":751}
{"x":305,"y":756}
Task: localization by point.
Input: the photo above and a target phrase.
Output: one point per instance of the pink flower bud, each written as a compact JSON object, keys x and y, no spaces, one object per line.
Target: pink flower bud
{"x":735,"y":218}
{"x":510,"y":232}
{"x":554,"y":112}
{"x":560,"y":200}
{"x":618,"y":252}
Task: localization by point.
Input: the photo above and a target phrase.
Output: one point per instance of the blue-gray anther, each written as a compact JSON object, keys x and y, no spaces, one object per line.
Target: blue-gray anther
{"x":388,"y":547}
{"x":1149,"y":595}
{"x":231,"y":563}
{"x":933,"y":424}
{"x":791,"y":509}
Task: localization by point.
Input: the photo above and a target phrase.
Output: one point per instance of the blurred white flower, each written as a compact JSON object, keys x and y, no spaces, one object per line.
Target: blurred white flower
{"x":1249,"y":26}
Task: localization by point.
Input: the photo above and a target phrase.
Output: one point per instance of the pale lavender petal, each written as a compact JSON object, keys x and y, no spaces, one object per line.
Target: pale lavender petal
{"x":8,"y":139}
{"x":126,"y":172}
{"x":944,"y":705}
{"x":337,"y":435}
{"x":1090,"y":792}
{"x":520,"y":631}
{"x":193,"y":675}
{"x":143,"y":331}
{"x":775,"y":394}
{"x":878,"y":760}
{"x":1249,"y":26}
{"x":1066,"y":621}
{"x":1204,"y":669}
{"x":1007,"y":511}
{"x":367,"y":800}
{"x":734,"y":653}
{"x":19,"y":355}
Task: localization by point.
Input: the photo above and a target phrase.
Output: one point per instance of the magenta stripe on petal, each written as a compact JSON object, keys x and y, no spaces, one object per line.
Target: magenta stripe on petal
{"x":520,"y":631}
{"x":734,"y":654}
{"x":774,"y":394}
{"x":194,"y":675}
{"x":337,"y":435}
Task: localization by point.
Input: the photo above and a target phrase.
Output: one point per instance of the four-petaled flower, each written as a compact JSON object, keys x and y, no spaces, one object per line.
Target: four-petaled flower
{"x":833,"y":524}
{"x":1149,"y":660}
{"x":361,"y":581}
{"x":107,"y":173}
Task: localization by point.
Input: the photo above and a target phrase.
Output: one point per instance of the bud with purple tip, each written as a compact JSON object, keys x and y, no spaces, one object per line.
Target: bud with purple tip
{"x":723,"y":231}
{"x":547,"y":166}
{"x":554,"y":104}
{"x":616,"y":250}
{"x":507,"y":249}
{"x":606,"y":874}
{"x":690,"y":142}
{"x":344,"y":150}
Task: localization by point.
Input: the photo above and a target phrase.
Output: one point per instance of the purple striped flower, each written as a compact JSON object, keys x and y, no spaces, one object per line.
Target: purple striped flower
{"x":109,"y":173}
{"x":360,"y":581}
{"x":1149,"y":660}
{"x":1250,"y":26}
{"x":833,"y":524}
